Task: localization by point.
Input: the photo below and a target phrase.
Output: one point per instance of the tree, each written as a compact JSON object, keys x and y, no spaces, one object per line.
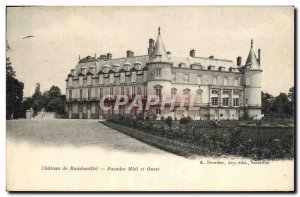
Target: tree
{"x":267,"y":102}
{"x":54,"y":91}
{"x":282,"y":105}
{"x":14,"y":91}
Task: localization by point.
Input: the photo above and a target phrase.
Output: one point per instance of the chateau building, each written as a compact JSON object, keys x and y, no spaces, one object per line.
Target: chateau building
{"x":222,"y":89}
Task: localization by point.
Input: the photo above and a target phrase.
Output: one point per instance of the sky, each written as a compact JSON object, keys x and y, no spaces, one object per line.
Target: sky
{"x":61,"y":34}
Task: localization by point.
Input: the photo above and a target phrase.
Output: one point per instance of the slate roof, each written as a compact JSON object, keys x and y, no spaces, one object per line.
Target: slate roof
{"x":159,"y":54}
{"x":252,"y":60}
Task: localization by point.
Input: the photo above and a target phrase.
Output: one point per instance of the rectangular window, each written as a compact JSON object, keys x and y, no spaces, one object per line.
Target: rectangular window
{"x":225,"y":101}
{"x":70,"y":81}
{"x":133,"y":91}
{"x":89,"y":94}
{"x":89,"y":80}
{"x":235,"y":92}
{"x":227,"y":92}
{"x":158,"y":93}
{"x":173,"y":77}
{"x":215,"y":80}
{"x":173,"y":93}
{"x":145,"y":90}
{"x":186,"y":78}
{"x":235,"y":102}
{"x":122,"y":90}
{"x":199,"y":98}
{"x":157,"y":111}
{"x":215,"y":92}
{"x":101,"y":92}
{"x":111,"y":78}
{"x":158,"y":73}
{"x":111,"y":91}
{"x":225,"y":81}
{"x":248,"y":82}
{"x":145,"y":76}
{"x":236,"y":82}
{"x":81,"y":80}
{"x":199,"y":80}
{"x":70,"y":95}
{"x":122,"y":78}
{"x":139,"y":91}
{"x":100,"y":79}
{"x":133,"y":77}
{"x":214,"y":101}
{"x":128,"y":90}
{"x":80,"y":94}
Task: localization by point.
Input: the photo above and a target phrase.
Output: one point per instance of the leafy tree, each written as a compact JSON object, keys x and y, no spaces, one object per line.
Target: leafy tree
{"x":54,"y":92}
{"x":280,"y":104}
{"x":14,"y":91}
{"x":267,"y":102}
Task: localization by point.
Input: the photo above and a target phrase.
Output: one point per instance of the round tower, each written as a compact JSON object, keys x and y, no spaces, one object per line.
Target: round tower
{"x":159,"y":75}
{"x":252,"y":83}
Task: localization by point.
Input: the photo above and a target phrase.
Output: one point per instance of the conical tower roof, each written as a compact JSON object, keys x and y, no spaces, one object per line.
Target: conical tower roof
{"x":252,"y":61}
{"x":159,"y":53}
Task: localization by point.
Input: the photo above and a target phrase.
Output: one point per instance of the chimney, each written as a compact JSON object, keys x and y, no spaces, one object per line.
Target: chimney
{"x":238,"y":61}
{"x":102,"y":57}
{"x":129,"y":53}
{"x":258,"y":55}
{"x":151,"y":46}
{"x":192,"y":53}
{"x":211,"y":57}
{"x":79,"y":58}
{"x":109,"y":56}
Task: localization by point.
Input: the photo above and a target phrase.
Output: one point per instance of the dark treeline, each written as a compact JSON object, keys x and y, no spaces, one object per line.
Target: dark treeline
{"x":279,"y":106}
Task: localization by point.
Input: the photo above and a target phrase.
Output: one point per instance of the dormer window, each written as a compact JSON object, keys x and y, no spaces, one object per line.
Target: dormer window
{"x":106,"y":68}
{"x":127,"y":66}
{"x":221,"y":68}
{"x":116,"y":67}
{"x":83,"y":70}
{"x":210,"y":67}
{"x":231,"y":69}
{"x":138,"y":65}
{"x":196,"y":66}
{"x":182,"y":65}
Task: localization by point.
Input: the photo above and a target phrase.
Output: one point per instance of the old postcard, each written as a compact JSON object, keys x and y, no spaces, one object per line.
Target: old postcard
{"x":150,"y":98}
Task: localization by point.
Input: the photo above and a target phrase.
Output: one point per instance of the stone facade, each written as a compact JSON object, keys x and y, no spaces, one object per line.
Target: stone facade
{"x":222,"y":89}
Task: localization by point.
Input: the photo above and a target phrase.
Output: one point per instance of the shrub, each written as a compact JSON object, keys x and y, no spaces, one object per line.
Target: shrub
{"x":168,"y":121}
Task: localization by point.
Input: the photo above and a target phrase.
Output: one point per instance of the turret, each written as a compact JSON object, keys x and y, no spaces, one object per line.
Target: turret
{"x":252,"y":83}
{"x":159,"y":66}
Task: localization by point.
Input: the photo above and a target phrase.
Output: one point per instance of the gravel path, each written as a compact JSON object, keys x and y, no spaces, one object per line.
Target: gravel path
{"x":76,"y":133}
